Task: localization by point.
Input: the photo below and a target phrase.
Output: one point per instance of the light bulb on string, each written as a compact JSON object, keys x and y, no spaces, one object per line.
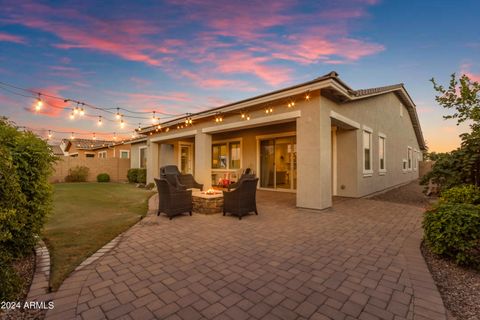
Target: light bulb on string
{"x":118,"y":115}
{"x":72,"y":136}
{"x":99,"y":122}
{"x":122,"y":123}
{"x":94,"y":136}
{"x":114,"y":136}
{"x":39,"y":104}
{"x":154,"y":119}
{"x":72,"y":115}
{"x":49,"y":134}
{"x":82,"y":112}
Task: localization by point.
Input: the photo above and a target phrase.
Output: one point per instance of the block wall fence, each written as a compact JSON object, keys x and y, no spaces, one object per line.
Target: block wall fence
{"x":115,"y":167}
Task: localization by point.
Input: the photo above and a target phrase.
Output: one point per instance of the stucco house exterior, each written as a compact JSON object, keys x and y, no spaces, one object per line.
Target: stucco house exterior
{"x":318,"y":139}
{"x":89,"y":148}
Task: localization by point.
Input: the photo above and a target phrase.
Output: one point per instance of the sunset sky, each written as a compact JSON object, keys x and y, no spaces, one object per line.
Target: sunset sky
{"x":186,"y":56}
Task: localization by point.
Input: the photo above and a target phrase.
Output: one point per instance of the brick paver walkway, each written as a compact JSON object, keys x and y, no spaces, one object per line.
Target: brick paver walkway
{"x":358,"y":260}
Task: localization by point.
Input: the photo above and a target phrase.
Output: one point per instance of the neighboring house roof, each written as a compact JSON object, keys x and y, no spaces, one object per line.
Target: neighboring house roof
{"x":330,"y":84}
{"x":86,"y":144}
{"x":56,"y":149}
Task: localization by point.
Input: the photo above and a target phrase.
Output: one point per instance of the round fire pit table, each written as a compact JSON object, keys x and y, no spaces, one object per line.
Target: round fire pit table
{"x":207,"y":203}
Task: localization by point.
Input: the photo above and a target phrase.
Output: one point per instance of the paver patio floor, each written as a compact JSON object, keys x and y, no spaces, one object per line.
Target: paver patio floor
{"x":357,"y":260}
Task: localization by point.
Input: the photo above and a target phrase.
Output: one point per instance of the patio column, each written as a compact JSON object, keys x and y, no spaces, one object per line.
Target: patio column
{"x":203,"y":159}
{"x":152,"y":161}
{"x":314,"y":165}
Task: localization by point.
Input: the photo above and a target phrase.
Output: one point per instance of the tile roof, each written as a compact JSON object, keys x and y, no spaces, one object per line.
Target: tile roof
{"x":89,"y":144}
{"x":377,"y":90}
{"x":56,"y":149}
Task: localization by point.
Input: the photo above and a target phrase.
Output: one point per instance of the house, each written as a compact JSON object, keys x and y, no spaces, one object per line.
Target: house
{"x":318,"y":139}
{"x":90,"y":148}
{"x":56,"y":149}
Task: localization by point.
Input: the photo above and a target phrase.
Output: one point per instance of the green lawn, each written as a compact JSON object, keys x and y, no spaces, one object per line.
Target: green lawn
{"x":87,"y":216}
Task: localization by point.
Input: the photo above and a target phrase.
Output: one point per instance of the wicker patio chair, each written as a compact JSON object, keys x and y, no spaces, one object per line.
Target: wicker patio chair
{"x":172,"y":201}
{"x":179,"y":180}
{"x":246,"y":175}
{"x":242,"y":200}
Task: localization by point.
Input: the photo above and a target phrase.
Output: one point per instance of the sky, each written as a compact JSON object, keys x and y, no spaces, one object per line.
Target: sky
{"x":180,"y":56}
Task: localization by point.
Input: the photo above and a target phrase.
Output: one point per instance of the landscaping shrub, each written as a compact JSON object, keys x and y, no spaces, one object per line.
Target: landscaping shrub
{"x":25,"y":198}
{"x":142,"y":176}
{"x":468,"y":193}
{"x":103,"y":177}
{"x":453,"y":231}
{"x":132,"y":175}
{"x":77,"y":174}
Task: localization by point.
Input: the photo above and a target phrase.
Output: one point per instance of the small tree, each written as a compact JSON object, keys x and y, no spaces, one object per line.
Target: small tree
{"x":462,"y":165}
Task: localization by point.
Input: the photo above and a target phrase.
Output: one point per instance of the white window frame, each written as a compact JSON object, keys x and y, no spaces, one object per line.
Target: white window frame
{"x":383,"y":137}
{"x":409,"y":158}
{"x":102,"y":154}
{"x":140,"y":157}
{"x":415,"y":159}
{"x":227,"y":142}
{"x":128,"y":154}
{"x":404,"y":165}
{"x":369,"y":172}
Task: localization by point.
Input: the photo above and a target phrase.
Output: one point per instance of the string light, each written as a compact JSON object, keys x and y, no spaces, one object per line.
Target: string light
{"x":114,"y":136}
{"x":218,"y":118}
{"x":118,"y":115}
{"x":75,"y":111}
{"x":291,"y":104}
{"x":72,"y":115}
{"x":99,"y":122}
{"x":94,"y":136}
{"x":268,"y":110}
{"x":122,"y":123}
{"x":154,"y":119}
{"x":72,"y":136}
{"x":39,"y":104}
{"x":82,"y":112}
{"x":49,"y":134}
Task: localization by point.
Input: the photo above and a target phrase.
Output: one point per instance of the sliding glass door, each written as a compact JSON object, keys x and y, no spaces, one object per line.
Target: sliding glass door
{"x":278,"y":163}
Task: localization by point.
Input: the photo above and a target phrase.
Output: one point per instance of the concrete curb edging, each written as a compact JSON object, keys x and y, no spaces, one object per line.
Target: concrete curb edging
{"x":427,"y":302}
{"x":39,"y":289}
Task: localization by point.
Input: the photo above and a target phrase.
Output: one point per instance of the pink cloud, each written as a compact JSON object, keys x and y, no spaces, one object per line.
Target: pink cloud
{"x":216,"y":83}
{"x":123,"y":38}
{"x":51,"y":107}
{"x":6,"y":37}
{"x":241,"y":62}
{"x":465,"y":68}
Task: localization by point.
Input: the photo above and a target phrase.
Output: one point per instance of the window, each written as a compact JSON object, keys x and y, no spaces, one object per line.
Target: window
{"x":382,"y":166}
{"x":226,"y":155}
{"x":235,"y":155}
{"x":124,"y":154}
{"x":415,"y":160}
{"x":90,"y":155}
{"x":143,"y":157}
{"x":367,"y":152}
{"x":219,"y":156}
{"x":102,"y":154}
{"x":404,"y":165}
{"x":409,"y":158}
